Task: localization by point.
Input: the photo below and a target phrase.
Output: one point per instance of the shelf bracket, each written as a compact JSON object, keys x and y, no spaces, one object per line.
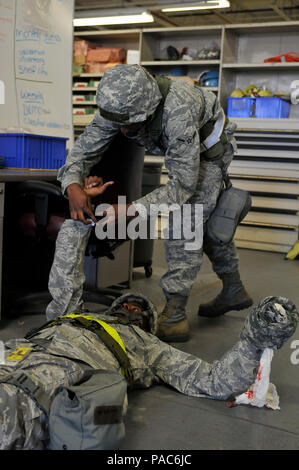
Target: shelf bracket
{"x":279,"y":12}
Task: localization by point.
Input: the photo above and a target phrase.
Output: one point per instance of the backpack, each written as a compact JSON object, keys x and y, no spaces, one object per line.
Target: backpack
{"x":89,"y":415}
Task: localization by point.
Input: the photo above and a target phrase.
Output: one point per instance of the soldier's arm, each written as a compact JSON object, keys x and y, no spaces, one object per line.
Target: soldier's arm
{"x":87,"y":151}
{"x":232,"y":374}
{"x":269,"y":325}
{"x":181,"y":160}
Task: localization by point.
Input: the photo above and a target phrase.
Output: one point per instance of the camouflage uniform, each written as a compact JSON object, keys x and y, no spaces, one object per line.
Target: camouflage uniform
{"x":128,"y":94}
{"x":67,"y":273}
{"x":62,"y":352}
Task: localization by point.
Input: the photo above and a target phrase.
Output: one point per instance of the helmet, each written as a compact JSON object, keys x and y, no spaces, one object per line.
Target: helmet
{"x":149,"y":310}
{"x":127,"y":94}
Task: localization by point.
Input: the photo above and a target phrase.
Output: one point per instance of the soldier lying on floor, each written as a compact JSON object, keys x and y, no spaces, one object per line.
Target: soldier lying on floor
{"x":66,"y":385}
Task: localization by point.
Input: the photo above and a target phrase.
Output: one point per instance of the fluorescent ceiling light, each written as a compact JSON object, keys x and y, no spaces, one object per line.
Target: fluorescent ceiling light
{"x":208,"y":5}
{"x":143,"y":17}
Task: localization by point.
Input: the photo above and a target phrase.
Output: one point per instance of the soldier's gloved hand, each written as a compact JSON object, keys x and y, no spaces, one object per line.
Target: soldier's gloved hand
{"x":80,"y":204}
{"x":93,"y":186}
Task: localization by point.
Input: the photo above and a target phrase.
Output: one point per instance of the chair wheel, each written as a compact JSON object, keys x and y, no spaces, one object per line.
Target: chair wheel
{"x":148,"y":271}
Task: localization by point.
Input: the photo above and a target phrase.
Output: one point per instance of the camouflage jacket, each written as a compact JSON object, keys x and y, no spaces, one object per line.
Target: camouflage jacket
{"x":179,"y":143}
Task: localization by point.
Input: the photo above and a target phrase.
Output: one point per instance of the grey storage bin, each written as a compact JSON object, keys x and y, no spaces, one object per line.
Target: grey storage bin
{"x":143,"y":249}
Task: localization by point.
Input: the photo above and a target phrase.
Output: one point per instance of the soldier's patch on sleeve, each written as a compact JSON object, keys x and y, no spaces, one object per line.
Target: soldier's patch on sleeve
{"x":188,"y":139}
{"x":18,"y":354}
{"x":107,"y":415}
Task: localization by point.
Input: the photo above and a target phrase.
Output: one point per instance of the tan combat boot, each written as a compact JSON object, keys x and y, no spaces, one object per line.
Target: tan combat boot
{"x":232,"y":297}
{"x":173,"y":325}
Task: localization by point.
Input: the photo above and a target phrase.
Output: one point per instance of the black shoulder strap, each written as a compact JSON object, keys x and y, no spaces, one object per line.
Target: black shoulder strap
{"x":155,"y":126}
{"x":19,"y":379}
{"x":164,"y":84}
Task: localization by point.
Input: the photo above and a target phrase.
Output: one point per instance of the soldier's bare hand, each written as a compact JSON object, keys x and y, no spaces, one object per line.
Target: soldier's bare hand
{"x":91,"y":181}
{"x":80,"y":204}
{"x":93,"y":186}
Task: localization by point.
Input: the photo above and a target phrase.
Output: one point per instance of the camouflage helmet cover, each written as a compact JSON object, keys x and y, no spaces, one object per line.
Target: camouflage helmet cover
{"x":148,"y":308}
{"x":127,"y":94}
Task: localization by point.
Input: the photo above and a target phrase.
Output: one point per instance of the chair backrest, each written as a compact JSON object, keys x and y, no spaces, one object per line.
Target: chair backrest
{"x":122,"y":163}
{"x":43,"y":222}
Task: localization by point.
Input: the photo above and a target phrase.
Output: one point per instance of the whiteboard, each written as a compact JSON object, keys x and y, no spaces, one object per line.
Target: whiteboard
{"x":36,"y":42}
{"x":8,"y":109}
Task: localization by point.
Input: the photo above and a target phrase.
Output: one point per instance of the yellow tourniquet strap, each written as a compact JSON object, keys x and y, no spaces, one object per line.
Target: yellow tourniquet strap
{"x":104,"y":331}
{"x":111,"y":339}
{"x":110,"y":330}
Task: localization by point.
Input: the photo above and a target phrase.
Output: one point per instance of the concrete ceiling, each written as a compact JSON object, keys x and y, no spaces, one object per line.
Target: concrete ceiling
{"x":240,"y":11}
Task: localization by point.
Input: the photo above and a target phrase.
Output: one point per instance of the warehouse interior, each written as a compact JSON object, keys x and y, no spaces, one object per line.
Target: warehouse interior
{"x":245,"y":52}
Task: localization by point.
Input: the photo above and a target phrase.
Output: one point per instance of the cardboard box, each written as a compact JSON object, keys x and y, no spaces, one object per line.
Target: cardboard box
{"x":94,"y":67}
{"x":77,"y":69}
{"x":81,"y":84}
{"x":106,"y":54}
{"x":81,"y":47}
{"x":78,"y":98}
{"x":79,"y":59}
{"x":79,"y":111}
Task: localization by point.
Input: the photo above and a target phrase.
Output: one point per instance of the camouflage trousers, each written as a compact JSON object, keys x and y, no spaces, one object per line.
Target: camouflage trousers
{"x":67,"y":277}
{"x":184,"y":264}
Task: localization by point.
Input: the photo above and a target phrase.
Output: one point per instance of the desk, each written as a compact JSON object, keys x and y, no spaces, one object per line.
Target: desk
{"x":26,"y":174}
{"x":15,"y":176}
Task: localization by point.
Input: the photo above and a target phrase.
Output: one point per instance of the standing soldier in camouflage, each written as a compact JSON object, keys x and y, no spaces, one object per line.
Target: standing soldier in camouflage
{"x":187,"y":125}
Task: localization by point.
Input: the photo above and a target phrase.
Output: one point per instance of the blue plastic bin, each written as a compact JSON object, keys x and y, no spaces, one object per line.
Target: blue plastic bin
{"x":240,"y":107}
{"x":272,"y":107}
{"x":32,"y":151}
{"x":177,"y":72}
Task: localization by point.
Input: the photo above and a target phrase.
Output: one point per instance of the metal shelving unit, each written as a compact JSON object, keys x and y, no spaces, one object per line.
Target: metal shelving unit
{"x":171,"y":63}
{"x":128,"y":39}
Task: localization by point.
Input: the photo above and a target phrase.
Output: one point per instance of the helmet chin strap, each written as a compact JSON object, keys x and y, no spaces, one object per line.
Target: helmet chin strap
{"x":128,"y":318}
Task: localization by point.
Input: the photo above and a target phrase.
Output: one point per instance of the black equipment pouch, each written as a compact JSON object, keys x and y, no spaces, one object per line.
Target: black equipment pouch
{"x":232,"y":206}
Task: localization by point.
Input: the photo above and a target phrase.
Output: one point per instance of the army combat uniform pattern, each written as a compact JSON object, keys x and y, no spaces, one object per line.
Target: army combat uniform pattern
{"x":131,"y":96}
{"x":61,"y":352}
